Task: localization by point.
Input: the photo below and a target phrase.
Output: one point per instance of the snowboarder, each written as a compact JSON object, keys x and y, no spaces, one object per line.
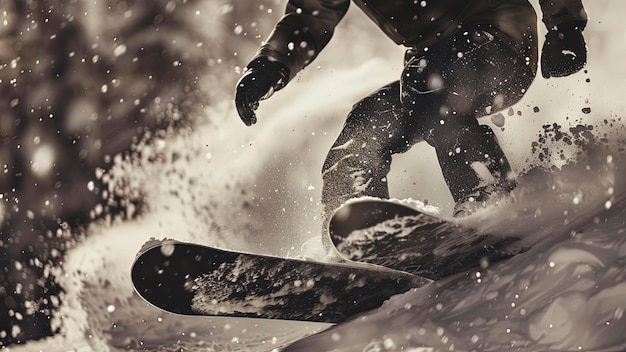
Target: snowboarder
{"x":464,"y":59}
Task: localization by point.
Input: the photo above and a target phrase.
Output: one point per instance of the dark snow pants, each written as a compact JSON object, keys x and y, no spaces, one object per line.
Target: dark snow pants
{"x":441,"y":93}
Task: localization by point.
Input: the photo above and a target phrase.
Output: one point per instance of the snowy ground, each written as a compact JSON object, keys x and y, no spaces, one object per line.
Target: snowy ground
{"x":258,"y":189}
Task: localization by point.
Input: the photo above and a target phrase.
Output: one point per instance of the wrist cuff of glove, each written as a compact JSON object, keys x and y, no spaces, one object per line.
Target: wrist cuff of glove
{"x":275,"y":69}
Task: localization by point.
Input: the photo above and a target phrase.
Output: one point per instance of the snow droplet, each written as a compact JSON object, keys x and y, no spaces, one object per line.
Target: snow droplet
{"x":43,"y":160}
{"x":498,"y":119}
{"x":389,"y":344}
{"x":119,"y":50}
{"x":619,"y":313}
{"x":15,"y":331}
{"x":484,"y":262}
{"x":167,"y":249}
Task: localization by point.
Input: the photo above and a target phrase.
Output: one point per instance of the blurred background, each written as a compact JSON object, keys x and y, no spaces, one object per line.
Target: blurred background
{"x":81,"y":82}
{"x":113,"y":111}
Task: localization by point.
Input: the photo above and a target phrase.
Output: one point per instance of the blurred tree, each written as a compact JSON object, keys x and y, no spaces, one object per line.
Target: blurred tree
{"x":81,"y":82}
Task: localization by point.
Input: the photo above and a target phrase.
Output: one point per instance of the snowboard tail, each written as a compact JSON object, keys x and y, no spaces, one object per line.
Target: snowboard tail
{"x":397,"y":236}
{"x":191,"y":279}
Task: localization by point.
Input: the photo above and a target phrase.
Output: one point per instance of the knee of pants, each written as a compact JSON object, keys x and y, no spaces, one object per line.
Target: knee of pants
{"x":425,"y":98}
{"x":419,"y":77}
{"x":353,"y":155}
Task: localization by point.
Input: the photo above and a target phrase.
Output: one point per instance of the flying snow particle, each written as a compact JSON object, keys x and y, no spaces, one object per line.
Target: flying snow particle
{"x":43,"y":160}
{"x":167,"y":249}
{"x":610,"y":191}
{"x":119,"y":50}
{"x":15,"y":331}
{"x":389,"y":344}
{"x":498,"y":119}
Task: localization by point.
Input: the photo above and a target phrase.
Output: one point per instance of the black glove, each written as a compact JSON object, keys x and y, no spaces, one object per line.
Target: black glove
{"x":564,"y":51}
{"x":261,"y":78}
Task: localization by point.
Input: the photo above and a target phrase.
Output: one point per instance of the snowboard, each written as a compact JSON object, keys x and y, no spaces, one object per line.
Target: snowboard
{"x":398,"y":236}
{"x":191,"y":279}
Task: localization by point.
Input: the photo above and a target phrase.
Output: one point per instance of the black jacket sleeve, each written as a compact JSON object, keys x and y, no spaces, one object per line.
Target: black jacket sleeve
{"x":556,"y":12}
{"x":303,"y":32}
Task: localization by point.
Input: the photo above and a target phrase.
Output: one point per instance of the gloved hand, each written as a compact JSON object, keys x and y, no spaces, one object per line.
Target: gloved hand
{"x":261,"y":78}
{"x":564,"y":51}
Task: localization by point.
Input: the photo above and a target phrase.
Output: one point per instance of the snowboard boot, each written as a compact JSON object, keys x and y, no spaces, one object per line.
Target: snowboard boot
{"x":476,"y":170}
{"x":481,"y":198}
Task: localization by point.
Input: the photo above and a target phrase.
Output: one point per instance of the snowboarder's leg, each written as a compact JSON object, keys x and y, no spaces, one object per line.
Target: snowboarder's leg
{"x":475,"y":169}
{"x":450,"y":85}
{"x":359,"y":161}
